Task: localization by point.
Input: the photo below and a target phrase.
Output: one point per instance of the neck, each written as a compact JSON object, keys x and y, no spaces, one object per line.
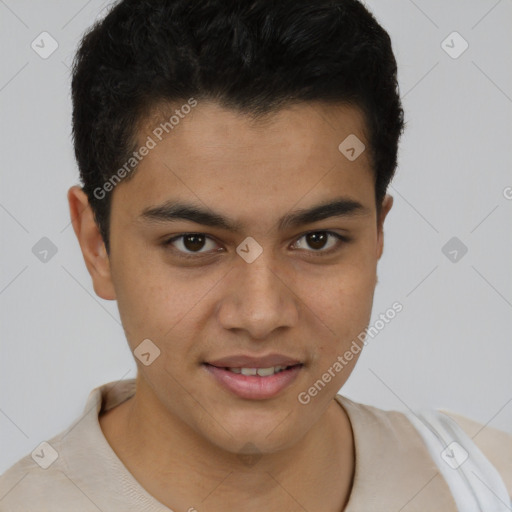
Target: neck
{"x":185,"y":472}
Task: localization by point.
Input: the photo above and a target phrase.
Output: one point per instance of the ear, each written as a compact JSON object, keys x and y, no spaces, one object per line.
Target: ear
{"x":91,"y":243}
{"x":387,"y":203}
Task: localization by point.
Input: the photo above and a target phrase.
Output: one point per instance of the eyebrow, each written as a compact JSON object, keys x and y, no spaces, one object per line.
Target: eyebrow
{"x":172,"y":211}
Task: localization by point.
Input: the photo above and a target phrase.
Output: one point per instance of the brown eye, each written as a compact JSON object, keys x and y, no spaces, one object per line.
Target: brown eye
{"x":318,"y":241}
{"x":188,"y":245}
{"x":193,"y":242}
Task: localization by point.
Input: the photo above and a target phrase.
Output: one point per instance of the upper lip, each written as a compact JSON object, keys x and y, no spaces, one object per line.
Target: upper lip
{"x":244,"y":361}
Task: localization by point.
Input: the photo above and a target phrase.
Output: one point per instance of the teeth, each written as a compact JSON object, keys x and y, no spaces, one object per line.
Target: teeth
{"x":262,"y":372}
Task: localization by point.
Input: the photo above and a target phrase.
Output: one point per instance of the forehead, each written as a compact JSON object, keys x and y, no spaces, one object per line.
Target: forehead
{"x":209,"y":130}
{"x":233,"y":163}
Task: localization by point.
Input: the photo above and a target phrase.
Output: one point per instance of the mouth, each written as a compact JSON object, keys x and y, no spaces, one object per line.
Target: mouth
{"x":260,"y":372}
{"x":255,"y":382}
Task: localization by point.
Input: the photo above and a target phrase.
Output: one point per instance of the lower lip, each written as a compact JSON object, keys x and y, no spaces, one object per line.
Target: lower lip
{"x":254,"y":387}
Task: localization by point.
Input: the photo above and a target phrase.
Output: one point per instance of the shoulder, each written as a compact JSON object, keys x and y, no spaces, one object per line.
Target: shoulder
{"x":392,"y":462}
{"x":53,"y":476}
{"x":76,"y":469}
{"x":40,"y":480}
{"x":495,"y":444}
{"x":471,"y":458}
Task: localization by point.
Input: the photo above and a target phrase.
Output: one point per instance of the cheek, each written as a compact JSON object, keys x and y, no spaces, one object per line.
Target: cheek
{"x":345,"y":299}
{"x":157,"y":302}
{"x":148,"y":303}
{"x":346,"y":309}
{"x":343,"y":309}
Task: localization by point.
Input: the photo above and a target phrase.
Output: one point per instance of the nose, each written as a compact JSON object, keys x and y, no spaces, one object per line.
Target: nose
{"x":258,"y":299}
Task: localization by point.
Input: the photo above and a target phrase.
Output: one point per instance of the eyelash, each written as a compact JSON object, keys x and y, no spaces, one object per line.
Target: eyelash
{"x":341,"y":238}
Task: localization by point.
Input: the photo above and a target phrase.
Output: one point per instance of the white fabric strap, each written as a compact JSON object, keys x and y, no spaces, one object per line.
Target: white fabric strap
{"x":475,"y":483}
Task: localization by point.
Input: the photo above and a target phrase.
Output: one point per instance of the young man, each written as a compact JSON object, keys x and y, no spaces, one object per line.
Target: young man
{"x":235,"y":157}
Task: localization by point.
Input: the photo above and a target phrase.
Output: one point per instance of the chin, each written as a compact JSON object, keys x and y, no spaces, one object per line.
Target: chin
{"x":253,"y":433}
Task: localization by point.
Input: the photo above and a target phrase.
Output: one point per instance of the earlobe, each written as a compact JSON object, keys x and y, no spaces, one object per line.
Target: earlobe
{"x":387,"y":204}
{"x":91,"y":243}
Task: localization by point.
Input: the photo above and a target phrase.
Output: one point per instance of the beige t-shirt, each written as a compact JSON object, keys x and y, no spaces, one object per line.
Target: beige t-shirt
{"x":78,"y":471}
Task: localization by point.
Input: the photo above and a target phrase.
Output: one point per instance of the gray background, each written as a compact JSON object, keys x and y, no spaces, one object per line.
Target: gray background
{"x":450,"y":347}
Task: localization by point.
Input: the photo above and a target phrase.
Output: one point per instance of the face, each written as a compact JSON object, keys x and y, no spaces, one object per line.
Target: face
{"x":222,"y":256}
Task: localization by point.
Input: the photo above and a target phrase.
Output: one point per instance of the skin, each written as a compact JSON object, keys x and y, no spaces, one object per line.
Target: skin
{"x":181,"y":435}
